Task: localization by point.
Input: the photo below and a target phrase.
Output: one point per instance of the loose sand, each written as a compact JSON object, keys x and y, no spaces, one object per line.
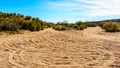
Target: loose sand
{"x":90,"y":48}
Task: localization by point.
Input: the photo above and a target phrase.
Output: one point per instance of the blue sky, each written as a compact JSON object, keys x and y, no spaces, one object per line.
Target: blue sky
{"x":60,"y":10}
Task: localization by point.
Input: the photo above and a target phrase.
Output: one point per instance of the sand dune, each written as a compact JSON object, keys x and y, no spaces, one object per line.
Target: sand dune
{"x":90,"y":48}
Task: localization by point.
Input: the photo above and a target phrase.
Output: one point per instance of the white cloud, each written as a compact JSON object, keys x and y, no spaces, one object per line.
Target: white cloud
{"x":103,"y":7}
{"x":87,"y":7}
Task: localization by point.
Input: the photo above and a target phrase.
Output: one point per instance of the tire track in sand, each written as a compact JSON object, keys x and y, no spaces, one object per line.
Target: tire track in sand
{"x":93,"y":33}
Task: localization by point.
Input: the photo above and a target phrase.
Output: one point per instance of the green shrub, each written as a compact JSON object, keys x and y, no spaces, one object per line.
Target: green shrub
{"x":79,"y":23}
{"x":31,"y":25}
{"x":71,"y":25}
{"x":110,"y":26}
{"x":59,"y":27}
{"x":15,"y":22}
{"x":48,"y":24}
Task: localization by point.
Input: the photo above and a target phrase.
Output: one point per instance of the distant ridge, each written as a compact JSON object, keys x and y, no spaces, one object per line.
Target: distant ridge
{"x":113,"y":20}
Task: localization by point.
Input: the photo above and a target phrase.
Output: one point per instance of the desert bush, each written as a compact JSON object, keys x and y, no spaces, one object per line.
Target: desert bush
{"x":48,"y":24}
{"x":15,"y":22}
{"x":71,"y":25}
{"x":110,"y":26}
{"x":59,"y":27}
{"x":31,"y":25}
{"x":92,"y":24}
{"x":8,"y":26}
{"x":81,"y":27}
{"x":75,"y":26}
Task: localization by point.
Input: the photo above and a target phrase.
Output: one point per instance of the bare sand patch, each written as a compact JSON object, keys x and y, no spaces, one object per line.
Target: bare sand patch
{"x":90,"y":48}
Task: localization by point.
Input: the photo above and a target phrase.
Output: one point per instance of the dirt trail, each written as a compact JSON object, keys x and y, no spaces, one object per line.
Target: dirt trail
{"x":90,"y":48}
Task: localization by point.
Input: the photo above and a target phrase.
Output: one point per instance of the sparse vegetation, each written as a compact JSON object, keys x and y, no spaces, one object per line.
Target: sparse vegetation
{"x":73,"y":48}
{"x":48,"y":24}
{"x":92,"y":24}
{"x":16,"y":22}
{"x":65,"y":26}
{"x":80,"y":25}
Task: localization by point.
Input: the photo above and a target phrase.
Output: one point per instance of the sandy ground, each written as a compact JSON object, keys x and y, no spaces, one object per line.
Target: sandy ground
{"x":90,"y":48}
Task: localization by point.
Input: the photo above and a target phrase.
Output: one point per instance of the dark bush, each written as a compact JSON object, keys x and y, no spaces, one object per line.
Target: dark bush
{"x":75,"y":26}
{"x":8,"y":26}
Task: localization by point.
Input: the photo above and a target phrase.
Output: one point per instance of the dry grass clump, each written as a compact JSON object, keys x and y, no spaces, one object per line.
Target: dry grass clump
{"x":59,"y":27}
{"x":110,"y":26}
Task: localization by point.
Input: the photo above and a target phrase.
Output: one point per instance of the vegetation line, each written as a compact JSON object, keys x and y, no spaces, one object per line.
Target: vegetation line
{"x":14,"y":23}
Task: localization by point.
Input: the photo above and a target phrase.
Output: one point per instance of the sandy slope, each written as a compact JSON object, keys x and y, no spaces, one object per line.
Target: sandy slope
{"x":90,"y":48}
